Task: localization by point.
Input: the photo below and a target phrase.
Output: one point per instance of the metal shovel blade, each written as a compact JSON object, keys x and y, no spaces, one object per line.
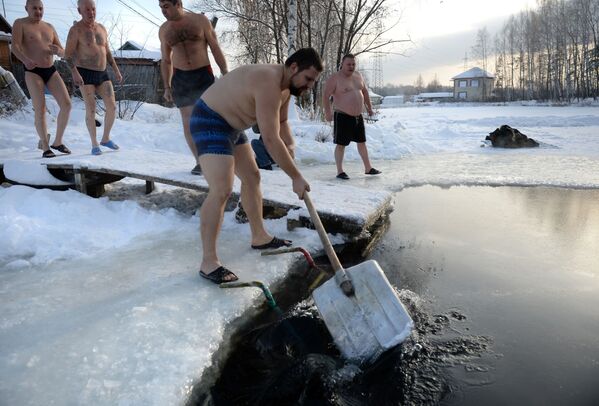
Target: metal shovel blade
{"x":368,"y":323}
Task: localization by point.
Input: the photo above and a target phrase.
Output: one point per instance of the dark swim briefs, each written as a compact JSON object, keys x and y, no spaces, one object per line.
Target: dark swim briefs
{"x":93,"y":77}
{"x":211,"y":133}
{"x":348,"y":128}
{"x":189,"y":85}
{"x":44,"y":73}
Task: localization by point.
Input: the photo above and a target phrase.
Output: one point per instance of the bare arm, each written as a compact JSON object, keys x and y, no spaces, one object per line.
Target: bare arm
{"x":17,"y":45}
{"x":366,"y":97}
{"x":70,"y":55}
{"x":56,"y":47}
{"x":285,"y":130}
{"x":268,"y":112}
{"x":166,"y":65}
{"x":212,"y":41}
{"x":110,"y":60}
{"x":329,"y":89}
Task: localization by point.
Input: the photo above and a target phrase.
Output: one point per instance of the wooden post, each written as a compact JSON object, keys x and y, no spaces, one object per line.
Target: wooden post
{"x":80,"y":181}
{"x":149,"y":186}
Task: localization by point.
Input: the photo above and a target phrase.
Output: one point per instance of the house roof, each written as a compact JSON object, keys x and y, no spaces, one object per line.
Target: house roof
{"x":474,"y":73}
{"x":131,"y":46}
{"x":143,"y":54}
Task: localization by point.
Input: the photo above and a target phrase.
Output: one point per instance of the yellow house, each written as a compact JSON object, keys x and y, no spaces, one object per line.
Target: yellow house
{"x":475,"y":84}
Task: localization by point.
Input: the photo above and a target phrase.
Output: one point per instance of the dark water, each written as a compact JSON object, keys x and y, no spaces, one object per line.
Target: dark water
{"x":502,"y":285}
{"x":522,"y":265}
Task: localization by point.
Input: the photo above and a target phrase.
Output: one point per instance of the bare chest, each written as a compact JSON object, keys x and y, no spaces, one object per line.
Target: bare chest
{"x":92,"y":38}
{"x":38,"y":35}
{"x":348,"y":85}
{"x":182,"y":33}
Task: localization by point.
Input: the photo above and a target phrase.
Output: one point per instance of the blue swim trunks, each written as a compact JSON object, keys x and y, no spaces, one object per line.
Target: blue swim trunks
{"x":211,"y":133}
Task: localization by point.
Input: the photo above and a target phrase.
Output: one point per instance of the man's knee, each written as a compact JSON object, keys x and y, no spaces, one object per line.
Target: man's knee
{"x":221,"y":194}
{"x":65,"y":105}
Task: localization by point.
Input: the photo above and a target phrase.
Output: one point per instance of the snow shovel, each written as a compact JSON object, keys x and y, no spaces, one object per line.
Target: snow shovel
{"x":359,"y":306}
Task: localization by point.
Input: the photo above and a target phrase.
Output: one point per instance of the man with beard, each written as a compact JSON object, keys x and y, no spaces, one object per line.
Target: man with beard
{"x":184,"y":42}
{"x":87,"y":53}
{"x":349,"y":93}
{"x":249,"y":95}
{"x":35,"y":43}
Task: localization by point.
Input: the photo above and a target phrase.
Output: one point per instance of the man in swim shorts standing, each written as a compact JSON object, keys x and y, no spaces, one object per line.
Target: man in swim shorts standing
{"x":349,"y":93}
{"x":87,"y":53}
{"x":35,"y":43}
{"x":185,"y":67}
{"x":251,"y":94}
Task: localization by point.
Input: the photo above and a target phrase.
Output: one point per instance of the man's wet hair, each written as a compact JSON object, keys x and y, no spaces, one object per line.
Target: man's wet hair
{"x":174,"y":2}
{"x":305,"y":58}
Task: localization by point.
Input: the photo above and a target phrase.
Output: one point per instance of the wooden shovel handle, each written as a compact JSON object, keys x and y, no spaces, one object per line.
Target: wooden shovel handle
{"x":340,"y":274}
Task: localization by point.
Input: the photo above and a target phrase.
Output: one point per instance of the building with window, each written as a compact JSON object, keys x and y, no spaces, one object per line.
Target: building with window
{"x":475,"y":84}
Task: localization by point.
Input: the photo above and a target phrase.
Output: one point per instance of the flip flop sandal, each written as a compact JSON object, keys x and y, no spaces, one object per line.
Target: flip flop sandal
{"x":61,"y":148}
{"x":48,"y":154}
{"x":274,"y":243}
{"x":219,"y":275}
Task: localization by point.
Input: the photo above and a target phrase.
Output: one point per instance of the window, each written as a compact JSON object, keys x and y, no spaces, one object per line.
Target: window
{"x":463,"y":83}
{"x":474,"y":83}
{"x":462,"y":95}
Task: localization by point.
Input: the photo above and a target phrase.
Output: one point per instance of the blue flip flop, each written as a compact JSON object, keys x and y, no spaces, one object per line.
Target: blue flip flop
{"x":96,"y":151}
{"x":109,"y":144}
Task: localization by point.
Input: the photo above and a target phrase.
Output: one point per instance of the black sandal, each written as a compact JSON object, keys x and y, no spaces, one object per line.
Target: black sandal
{"x":48,"y":154}
{"x":274,"y":243}
{"x":373,"y":171}
{"x":219,"y":275}
{"x":61,"y":148}
{"x":343,"y":176}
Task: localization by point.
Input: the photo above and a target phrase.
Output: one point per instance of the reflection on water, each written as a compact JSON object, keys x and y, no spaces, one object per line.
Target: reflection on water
{"x":522,"y":265}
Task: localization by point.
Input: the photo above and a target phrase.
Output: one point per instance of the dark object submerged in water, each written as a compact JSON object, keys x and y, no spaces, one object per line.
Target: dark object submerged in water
{"x":508,"y":137}
{"x":293,"y":361}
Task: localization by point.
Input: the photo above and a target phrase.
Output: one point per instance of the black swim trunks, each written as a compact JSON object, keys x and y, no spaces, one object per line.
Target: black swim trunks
{"x":348,"y":128}
{"x":189,"y":85}
{"x":93,"y":77}
{"x":44,"y":73}
{"x":211,"y":133}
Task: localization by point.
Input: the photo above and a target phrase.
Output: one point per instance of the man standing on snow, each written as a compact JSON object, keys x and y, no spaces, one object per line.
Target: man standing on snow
{"x":184,"y":42}
{"x":249,"y":95}
{"x":87,"y":53}
{"x":349,"y":93}
{"x":35,"y":43}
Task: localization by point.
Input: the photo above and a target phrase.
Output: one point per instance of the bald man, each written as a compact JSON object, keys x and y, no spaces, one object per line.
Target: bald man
{"x":35,"y":43}
{"x":88,"y":53}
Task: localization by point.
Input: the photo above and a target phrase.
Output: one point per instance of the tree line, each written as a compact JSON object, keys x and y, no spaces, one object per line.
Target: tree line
{"x":550,"y":53}
{"x":332,"y":27}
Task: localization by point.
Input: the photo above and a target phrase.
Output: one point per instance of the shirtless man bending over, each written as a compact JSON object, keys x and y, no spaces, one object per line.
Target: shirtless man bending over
{"x":35,"y":43}
{"x":245,"y":96}
{"x":184,"y":42}
{"x":87,"y":53}
{"x":349,"y":94}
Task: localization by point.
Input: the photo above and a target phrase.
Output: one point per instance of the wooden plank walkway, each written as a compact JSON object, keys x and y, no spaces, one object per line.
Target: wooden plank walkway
{"x":343,"y":208}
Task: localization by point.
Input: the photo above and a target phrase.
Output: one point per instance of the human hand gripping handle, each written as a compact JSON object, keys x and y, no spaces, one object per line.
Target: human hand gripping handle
{"x":340,"y":275}
{"x":300,"y":187}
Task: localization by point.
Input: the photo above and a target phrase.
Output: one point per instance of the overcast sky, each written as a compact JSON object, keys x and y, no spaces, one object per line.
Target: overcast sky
{"x":442,"y":31}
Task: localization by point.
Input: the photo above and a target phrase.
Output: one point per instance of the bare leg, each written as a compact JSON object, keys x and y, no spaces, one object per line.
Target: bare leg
{"x":106,"y":91}
{"x":219,"y":173}
{"x":363,"y":151}
{"x":35,"y":85}
{"x":251,"y":195}
{"x":89,"y":97}
{"x":185,"y":117}
{"x":339,"y":152}
{"x":59,"y":91}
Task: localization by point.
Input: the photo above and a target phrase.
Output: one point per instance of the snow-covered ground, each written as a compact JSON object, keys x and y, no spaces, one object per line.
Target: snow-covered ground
{"x":100,"y":301}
